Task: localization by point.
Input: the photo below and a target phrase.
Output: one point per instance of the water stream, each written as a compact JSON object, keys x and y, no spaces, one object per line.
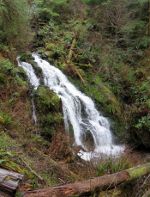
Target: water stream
{"x":78,"y":109}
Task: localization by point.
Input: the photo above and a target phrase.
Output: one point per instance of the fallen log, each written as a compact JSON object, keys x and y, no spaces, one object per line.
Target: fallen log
{"x":89,"y":186}
{"x":70,"y":55}
{"x":9,"y":181}
{"x":71,"y":50}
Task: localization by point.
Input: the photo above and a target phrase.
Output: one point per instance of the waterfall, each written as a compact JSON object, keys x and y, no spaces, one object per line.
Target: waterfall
{"x":34,"y":81}
{"x":78,"y":109}
{"x":34,"y":117}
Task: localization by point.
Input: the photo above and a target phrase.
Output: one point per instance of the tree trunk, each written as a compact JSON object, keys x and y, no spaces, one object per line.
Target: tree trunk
{"x":71,"y":50}
{"x":9,"y":181}
{"x":89,"y":186}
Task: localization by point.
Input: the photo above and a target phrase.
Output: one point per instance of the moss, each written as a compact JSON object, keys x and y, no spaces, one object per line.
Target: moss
{"x":54,"y":51}
{"x":38,"y":71}
{"x":102,"y":93}
{"x":47,"y":100}
{"x":105,"y":99}
{"x":137,"y":172}
{"x":49,"y":111}
{"x":26,"y":57}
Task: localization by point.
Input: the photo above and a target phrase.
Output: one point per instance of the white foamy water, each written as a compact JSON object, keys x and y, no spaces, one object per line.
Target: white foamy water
{"x":78,"y":109}
{"x":34,"y":81}
{"x":34,"y":117}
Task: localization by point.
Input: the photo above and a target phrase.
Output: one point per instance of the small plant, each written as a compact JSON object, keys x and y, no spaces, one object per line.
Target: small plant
{"x":4,"y":156}
{"x":47,"y":100}
{"x":5,"y":119}
{"x":6,"y":66}
{"x":26,"y":57}
{"x":144,"y":122}
{"x":111,"y":165}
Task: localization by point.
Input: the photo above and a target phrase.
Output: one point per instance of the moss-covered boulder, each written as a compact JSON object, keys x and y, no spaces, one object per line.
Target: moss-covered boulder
{"x":49,"y":111}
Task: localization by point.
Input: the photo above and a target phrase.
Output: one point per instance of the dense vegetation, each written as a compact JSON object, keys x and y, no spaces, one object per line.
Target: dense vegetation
{"x":103,"y":46}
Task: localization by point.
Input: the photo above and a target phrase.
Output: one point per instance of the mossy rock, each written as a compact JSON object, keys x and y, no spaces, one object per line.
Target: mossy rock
{"x":49,"y":111}
{"x":26,"y":57}
{"x":47,"y":100}
{"x":38,"y":70}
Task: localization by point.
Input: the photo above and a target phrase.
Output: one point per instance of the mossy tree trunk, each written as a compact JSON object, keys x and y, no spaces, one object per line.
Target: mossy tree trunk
{"x":92,"y":185}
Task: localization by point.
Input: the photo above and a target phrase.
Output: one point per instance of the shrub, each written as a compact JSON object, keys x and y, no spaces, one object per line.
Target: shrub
{"x":111,"y":165}
{"x":143,"y":123}
{"x":5,"y":119}
{"x":14,"y":23}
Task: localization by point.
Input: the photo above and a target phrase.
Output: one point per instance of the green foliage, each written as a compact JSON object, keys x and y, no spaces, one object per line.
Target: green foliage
{"x":5,"y":119}
{"x":14,"y":23}
{"x":54,"y":52}
{"x":97,"y":2}
{"x":10,"y":157}
{"x":8,"y":69}
{"x":133,"y":26}
{"x":6,"y":66}
{"x":143,"y":42}
{"x":4,"y":157}
{"x":51,"y":180}
{"x":5,"y":141}
{"x":47,"y":10}
{"x":26,"y":57}
{"x":47,"y":100}
{"x":111,"y":165}
{"x":110,"y":40}
{"x":49,"y":111}
{"x":143,"y":123}
{"x":142,"y":93}
{"x":103,"y":95}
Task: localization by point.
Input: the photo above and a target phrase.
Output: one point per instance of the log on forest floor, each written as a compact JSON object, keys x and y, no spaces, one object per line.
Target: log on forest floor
{"x":9,"y":181}
{"x":91,"y":185}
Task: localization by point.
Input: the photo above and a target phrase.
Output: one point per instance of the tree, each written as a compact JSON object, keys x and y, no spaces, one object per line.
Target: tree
{"x":14,"y":23}
{"x":136,"y":28}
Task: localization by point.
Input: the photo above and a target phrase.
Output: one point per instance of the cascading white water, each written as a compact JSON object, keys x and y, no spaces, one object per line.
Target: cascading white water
{"x":78,"y":110}
{"x":34,"y":117}
{"x":35,"y":82}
